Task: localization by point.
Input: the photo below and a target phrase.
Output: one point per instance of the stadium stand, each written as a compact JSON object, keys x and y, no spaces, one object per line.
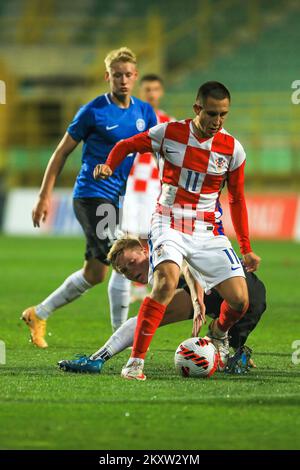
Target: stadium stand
{"x":60,"y":47}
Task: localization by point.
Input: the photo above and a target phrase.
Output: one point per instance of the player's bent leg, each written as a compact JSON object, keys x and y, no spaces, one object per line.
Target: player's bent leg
{"x":180,"y":308}
{"x":240,"y":331}
{"x":94,"y":271}
{"x":234,"y":291}
{"x":151,"y":312}
{"x":120,"y":340}
{"x":166,"y":276}
{"x":35,"y":317}
{"x":73,"y":287}
{"x":241,"y":361}
{"x":235,"y":294}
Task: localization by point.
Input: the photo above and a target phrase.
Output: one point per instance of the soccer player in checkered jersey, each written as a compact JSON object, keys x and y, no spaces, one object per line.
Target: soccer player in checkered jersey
{"x":100,"y":124}
{"x":196,"y":158}
{"x":143,"y":185}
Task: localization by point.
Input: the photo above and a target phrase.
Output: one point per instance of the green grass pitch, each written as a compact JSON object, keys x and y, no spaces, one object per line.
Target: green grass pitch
{"x":43,"y":408}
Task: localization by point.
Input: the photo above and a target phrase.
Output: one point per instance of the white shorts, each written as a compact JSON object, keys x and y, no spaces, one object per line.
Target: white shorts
{"x":211,"y":258}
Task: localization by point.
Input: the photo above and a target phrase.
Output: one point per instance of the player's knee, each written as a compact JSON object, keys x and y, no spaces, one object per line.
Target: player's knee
{"x":93,"y":276}
{"x":240,"y":303}
{"x":164,"y":289}
{"x":94,"y":271}
{"x":239,"y":299}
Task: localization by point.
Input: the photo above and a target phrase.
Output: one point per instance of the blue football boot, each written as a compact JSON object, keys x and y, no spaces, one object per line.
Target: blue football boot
{"x":82,"y":365}
{"x":239,"y":363}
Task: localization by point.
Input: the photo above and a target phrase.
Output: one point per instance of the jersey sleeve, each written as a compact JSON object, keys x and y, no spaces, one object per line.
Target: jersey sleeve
{"x":157,"y":134}
{"x":238,"y":156}
{"x":81,"y":125}
{"x":149,"y":141}
{"x":237,"y":202}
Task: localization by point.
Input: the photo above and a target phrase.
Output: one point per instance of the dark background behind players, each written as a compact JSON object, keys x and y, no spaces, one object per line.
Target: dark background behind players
{"x":51,"y":62}
{"x":45,"y":89}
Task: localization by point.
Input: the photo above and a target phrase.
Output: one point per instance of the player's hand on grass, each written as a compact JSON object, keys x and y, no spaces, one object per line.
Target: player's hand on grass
{"x":199,"y":316}
{"x":251,"y":261}
{"x":40,"y":211}
{"x":102,"y":172}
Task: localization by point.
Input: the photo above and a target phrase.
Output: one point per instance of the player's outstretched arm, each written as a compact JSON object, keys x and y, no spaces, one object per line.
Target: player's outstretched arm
{"x":139,"y":143}
{"x":239,"y":216}
{"x":54,"y":167}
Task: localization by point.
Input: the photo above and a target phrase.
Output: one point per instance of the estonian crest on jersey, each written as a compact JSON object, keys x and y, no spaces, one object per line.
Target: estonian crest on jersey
{"x":140,"y":125}
{"x":220,"y":163}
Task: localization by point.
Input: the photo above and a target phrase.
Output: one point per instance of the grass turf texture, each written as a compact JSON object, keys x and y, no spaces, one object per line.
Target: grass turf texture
{"x":43,"y":408}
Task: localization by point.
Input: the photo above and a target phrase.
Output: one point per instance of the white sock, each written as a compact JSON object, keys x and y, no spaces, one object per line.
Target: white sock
{"x":119,"y":340}
{"x":72,"y":288}
{"x":119,"y":299}
{"x":135,"y":359}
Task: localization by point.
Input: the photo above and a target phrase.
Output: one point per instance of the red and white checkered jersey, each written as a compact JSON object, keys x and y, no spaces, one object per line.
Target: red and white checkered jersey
{"x":193,"y":170}
{"x":192,"y":173}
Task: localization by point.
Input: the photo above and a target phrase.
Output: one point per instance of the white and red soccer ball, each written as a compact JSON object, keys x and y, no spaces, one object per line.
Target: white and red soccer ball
{"x":196,"y":357}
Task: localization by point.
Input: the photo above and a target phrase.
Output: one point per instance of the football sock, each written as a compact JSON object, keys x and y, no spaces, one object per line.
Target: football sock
{"x":103,"y":353}
{"x":120,"y":340}
{"x":134,"y":359}
{"x":228,"y":317}
{"x":150,"y":315}
{"x":119,"y":299}
{"x":72,"y":288}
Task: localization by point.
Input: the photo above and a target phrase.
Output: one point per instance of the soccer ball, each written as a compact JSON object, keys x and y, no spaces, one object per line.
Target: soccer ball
{"x":196,"y":357}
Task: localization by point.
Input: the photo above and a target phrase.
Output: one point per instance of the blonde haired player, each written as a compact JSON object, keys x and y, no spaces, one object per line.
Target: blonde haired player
{"x":99,"y":124}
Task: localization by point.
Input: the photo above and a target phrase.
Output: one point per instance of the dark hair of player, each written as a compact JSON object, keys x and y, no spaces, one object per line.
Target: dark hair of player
{"x":216,"y":90}
{"x":151,"y":77}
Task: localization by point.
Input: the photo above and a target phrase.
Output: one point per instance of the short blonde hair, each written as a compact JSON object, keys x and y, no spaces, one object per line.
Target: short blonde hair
{"x":118,"y":248}
{"x":123,"y":54}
